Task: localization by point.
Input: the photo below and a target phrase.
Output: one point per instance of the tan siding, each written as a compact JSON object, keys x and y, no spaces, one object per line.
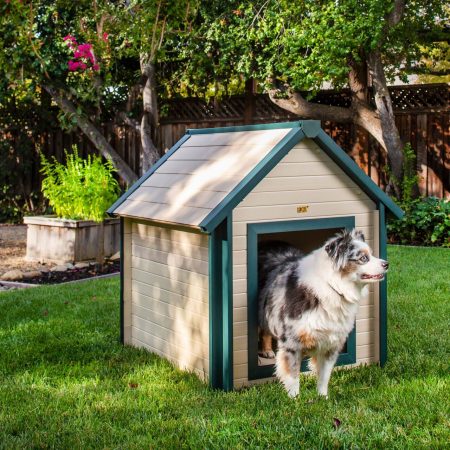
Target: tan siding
{"x":289,"y":183}
{"x":172,"y":259}
{"x":169,"y":270}
{"x":180,"y":332}
{"x":156,"y":292}
{"x":365,"y":351}
{"x":189,"y":290}
{"x":141,"y":229}
{"x":185,"y":249}
{"x":306,"y":176}
{"x":164,"y":301}
{"x":305,"y":196}
{"x":362,"y":221}
{"x":170,"y":351}
{"x":127,"y":282}
{"x":289,"y":212}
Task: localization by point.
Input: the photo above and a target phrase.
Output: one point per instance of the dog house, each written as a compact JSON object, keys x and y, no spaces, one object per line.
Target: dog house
{"x":191,"y":227}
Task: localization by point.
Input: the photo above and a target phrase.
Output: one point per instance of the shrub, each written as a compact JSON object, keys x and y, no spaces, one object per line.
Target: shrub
{"x":426,"y":222}
{"x":80,"y":189}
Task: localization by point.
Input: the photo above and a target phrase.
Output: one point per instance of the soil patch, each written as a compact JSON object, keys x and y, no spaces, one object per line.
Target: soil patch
{"x":13,"y":248}
{"x":76,"y":274}
{"x":13,"y":245}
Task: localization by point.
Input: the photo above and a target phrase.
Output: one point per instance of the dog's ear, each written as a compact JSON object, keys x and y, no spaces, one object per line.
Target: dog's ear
{"x":330,"y":247}
{"x":337,"y":247}
{"x":358,"y":235}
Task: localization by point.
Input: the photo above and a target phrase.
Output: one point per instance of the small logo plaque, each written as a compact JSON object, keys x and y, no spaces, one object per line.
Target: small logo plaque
{"x":302,"y":209}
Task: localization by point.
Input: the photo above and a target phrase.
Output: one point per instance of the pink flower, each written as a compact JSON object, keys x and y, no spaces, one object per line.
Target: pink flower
{"x":71,"y":41}
{"x":96,"y":67}
{"x":74,"y":65}
{"x":105,"y":37}
{"x":85,"y":48}
{"x":83,"y":66}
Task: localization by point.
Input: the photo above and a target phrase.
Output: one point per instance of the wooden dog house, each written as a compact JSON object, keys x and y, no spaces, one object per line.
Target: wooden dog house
{"x":191,"y":227}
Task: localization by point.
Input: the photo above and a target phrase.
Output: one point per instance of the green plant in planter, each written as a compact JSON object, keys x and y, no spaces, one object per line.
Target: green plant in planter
{"x":81,"y":188}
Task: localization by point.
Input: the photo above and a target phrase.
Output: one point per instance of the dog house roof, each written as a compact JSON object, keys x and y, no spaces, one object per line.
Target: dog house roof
{"x":209,"y":171}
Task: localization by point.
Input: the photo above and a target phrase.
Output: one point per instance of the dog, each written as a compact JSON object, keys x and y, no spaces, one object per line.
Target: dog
{"x":308,"y":303}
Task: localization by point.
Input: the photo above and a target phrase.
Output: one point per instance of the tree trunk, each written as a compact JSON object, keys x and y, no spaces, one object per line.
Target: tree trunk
{"x":383,"y":102}
{"x":150,"y":119}
{"x":379,"y":122}
{"x":93,"y":134}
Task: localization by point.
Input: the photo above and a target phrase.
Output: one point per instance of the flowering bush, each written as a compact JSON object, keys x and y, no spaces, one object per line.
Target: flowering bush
{"x":83,"y":55}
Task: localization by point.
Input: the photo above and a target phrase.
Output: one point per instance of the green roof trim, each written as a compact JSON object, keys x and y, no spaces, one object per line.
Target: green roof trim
{"x":251,"y":180}
{"x":262,"y":126}
{"x":147,"y":174}
{"x":383,"y":287}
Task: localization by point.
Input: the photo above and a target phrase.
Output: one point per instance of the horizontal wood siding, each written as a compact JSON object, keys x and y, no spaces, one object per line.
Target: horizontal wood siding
{"x":169,"y":300}
{"x":306,"y":176}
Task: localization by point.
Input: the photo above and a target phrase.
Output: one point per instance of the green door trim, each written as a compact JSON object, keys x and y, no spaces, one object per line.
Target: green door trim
{"x":253,"y":231}
{"x":221,"y":307}
{"x":383,"y":285}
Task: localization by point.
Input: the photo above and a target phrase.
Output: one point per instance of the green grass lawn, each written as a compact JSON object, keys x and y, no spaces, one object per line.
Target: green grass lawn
{"x":66,"y":382}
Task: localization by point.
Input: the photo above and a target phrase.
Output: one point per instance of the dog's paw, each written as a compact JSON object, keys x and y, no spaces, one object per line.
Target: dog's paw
{"x":323,"y":395}
{"x":292,"y":393}
{"x":292,"y":386}
{"x":269,"y":354}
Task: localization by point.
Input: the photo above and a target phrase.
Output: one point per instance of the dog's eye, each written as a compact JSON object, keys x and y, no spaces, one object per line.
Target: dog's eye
{"x":364,"y":258}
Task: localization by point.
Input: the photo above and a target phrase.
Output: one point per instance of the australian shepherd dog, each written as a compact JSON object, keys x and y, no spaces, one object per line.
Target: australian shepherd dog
{"x":309,"y":303}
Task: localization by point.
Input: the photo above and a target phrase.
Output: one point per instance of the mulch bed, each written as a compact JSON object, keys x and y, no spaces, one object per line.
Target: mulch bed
{"x":76,"y":274}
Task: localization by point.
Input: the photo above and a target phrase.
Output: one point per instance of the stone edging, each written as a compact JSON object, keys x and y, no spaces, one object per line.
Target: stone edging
{"x":16,"y":284}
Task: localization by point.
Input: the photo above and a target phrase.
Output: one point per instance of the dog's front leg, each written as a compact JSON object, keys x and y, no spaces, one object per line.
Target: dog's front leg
{"x":288,"y":369}
{"x":324,"y":365}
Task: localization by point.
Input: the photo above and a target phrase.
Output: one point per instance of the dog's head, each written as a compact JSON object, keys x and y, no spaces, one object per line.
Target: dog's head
{"x":353,"y":258}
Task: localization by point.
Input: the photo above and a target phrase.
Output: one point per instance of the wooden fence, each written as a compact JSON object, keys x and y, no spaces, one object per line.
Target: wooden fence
{"x":422,"y":115}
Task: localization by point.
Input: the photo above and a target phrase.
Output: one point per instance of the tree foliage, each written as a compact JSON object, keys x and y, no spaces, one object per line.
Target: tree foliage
{"x":291,"y":47}
{"x":304,"y":44}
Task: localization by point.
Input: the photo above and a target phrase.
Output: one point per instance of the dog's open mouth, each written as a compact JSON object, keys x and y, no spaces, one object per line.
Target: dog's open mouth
{"x":366,"y":276}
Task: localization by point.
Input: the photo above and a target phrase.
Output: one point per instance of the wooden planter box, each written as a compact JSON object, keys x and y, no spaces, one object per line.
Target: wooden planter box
{"x":50,"y":239}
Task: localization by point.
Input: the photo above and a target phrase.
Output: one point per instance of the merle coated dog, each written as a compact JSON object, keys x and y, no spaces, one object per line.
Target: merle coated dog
{"x":309,"y":303}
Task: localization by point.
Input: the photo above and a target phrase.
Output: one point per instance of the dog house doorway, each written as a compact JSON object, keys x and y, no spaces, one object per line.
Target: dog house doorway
{"x":307,"y":235}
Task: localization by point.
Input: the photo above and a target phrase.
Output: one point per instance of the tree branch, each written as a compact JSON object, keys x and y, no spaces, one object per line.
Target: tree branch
{"x":129,"y":121}
{"x":93,"y":134}
{"x":296,"y":104}
{"x":394,"y":17}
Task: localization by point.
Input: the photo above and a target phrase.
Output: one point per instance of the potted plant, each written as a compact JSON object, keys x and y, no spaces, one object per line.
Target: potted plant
{"x":79,"y":192}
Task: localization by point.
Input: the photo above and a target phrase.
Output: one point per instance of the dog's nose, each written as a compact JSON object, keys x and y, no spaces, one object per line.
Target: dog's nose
{"x":385,"y":265}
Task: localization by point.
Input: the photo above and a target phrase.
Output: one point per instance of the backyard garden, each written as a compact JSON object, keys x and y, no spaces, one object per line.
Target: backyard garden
{"x":338,"y":112}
